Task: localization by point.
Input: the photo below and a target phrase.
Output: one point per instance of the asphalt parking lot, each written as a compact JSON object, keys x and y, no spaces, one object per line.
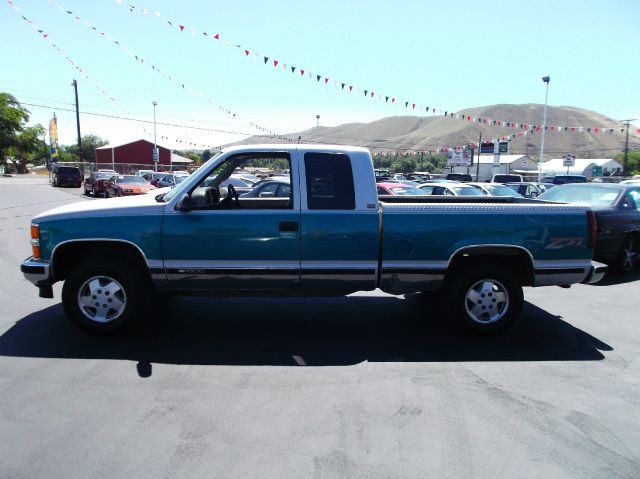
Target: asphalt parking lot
{"x":369,"y":385}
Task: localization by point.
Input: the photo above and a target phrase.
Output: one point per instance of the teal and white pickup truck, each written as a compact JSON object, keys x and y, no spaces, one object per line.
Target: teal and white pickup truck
{"x":322,"y":230}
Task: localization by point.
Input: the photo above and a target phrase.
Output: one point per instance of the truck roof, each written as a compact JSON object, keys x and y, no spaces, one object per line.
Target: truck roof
{"x":294,"y":147}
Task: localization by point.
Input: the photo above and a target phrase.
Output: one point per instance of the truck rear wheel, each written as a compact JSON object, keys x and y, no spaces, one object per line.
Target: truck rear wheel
{"x":485,"y":299}
{"x":104,"y":296}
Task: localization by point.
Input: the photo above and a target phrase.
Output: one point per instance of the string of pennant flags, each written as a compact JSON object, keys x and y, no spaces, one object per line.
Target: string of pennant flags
{"x":74,"y":64}
{"x":84,"y":73}
{"x":270,"y":60}
{"x":175,"y":80}
{"x":523,"y":129}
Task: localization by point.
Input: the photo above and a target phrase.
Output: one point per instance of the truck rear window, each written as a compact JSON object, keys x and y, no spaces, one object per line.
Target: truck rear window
{"x":329,"y":181}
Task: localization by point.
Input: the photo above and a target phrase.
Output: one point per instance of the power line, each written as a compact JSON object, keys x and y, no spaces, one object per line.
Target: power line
{"x":387,"y":146}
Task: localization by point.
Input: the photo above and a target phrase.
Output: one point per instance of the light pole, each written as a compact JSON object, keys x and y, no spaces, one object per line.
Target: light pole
{"x":155,"y":145}
{"x":544,"y":127}
{"x":626,"y":145}
{"x":317,"y":121}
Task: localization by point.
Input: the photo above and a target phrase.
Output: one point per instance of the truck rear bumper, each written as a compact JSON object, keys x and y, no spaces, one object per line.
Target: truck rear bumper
{"x":596,"y":273}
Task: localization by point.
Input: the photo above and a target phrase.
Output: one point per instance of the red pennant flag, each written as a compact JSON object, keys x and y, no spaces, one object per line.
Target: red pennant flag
{"x":519,"y":133}
{"x":246,"y":52}
{"x":350,"y":87}
{"x":552,"y":128}
{"x":217,"y":36}
{"x":302,"y":72}
{"x":181,"y":27}
{"x":372,"y":94}
{"x":45,"y":35}
{"x":275,"y":63}
{"x":573,"y":128}
{"x":326,"y":80}
{"x":468,"y":118}
{"x":596,"y":130}
{"x":414,"y":106}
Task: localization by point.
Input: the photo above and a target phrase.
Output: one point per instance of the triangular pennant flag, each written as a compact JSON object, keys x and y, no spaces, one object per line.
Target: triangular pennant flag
{"x":365,"y":92}
{"x":406,"y":104}
{"x":217,"y":36}
{"x":326,"y":80}
{"x":350,"y":87}
{"x":342,"y":85}
{"x":275,"y":63}
{"x":293,"y":69}
{"x":181,"y":27}
{"x":372,"y":94}
{"x":266,"y":59}
{"x":301,"y":72}
{"x":246,"y":52}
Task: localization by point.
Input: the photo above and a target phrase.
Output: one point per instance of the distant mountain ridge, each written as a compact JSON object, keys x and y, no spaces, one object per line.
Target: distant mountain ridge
{"x":414,"y":133}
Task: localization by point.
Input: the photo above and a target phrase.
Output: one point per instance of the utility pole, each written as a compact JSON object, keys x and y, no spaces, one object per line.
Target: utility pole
{"x":74,"y":84}
{"x":478,"y":159}
{"x":546,"y":79}
{"x":626,"y":145}
{"x":156,"y":157}
{"x":317,"y":121}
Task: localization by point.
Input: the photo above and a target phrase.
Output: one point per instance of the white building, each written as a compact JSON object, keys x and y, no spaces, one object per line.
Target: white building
{"x":583,"y":166}
{"x":509,"y":164}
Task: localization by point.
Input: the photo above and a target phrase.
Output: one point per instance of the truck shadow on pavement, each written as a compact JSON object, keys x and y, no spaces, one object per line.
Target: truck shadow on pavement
{"x":301,"y":332}
{"x":611,"y":279}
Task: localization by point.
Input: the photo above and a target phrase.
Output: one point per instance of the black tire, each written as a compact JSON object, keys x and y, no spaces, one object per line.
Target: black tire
{"x":499,"y":298}
{"x":120,"y":290}
{"x":86,"y":192}
{"x":117,"y":193}
{"x":627,"y":260}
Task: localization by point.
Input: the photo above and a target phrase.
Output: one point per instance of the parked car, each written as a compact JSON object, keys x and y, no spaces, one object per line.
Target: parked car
{"x":526,"y":189}
{"x":397,"y":189}
{"x":94,"y":183}
{"x":154,"y":176}
{"x":458,"y":177}
{"x":506,"y":178}
{"x":563,"y":179}
{"x":170,"y":180}
{"x":495,"y":189}
{"x":270,"y":189}
{"x":66,"y":176}
{"x":617,"y":211}
{"x":450,"y":189}
{"x":126,"y":185}
{"x":143,"y":172}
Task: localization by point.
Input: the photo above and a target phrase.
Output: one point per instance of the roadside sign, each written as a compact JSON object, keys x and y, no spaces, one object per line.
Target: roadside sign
{"x":596,"y":170}
{"x":569,"y":160}
{"x":460,"y":157}
{"x":155,"y":154}
{"x":503,"y":147}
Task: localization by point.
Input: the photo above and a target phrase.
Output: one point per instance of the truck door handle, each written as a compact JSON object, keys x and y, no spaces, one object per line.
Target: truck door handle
{"x":288,"y":226}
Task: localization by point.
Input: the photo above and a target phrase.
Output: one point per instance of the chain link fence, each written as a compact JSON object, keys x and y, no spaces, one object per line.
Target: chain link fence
{"x":123,"y":168}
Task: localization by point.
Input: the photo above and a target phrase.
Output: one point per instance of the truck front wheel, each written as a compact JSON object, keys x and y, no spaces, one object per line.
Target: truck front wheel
{"x":102,"y":296}
{"x":485,"y":299}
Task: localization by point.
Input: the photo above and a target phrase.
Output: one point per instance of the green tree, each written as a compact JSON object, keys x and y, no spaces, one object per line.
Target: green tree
{"x":633,"y":161}
{"x":13,"y":118}
{"x":29,"y":148}
{"x":206,"y":154}
{"x":88,"y":150}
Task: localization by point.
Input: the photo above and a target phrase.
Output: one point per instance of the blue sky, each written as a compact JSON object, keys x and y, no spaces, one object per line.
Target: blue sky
{"x":451,"y":55}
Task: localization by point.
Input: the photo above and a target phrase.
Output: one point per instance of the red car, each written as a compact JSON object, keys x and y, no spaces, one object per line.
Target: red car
{"x":127,"y":185}
{"x":94,"y":184}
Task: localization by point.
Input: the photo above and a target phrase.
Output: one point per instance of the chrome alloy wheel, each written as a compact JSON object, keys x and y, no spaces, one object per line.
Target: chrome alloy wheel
{"x":487,"y":301}
{"x":102,"y":299}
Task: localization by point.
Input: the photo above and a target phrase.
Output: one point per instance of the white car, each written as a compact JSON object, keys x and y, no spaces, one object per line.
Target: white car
{"x":495,"y":189}
{"x":450,"y":189}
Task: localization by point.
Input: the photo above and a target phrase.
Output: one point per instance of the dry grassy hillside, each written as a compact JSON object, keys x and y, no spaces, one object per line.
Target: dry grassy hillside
{"x":433,"y":132}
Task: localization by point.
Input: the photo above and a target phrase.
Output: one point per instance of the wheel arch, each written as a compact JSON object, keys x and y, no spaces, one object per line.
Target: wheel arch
{"x":68,"y":254}
{"x":521,"y":260}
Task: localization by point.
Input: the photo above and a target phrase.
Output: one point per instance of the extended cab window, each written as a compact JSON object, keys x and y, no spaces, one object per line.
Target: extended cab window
{"x":329,"y":182}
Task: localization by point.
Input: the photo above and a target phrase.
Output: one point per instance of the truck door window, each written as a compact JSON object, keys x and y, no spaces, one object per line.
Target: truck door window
{"x":238,"y":174}
{"x":329,"y":182}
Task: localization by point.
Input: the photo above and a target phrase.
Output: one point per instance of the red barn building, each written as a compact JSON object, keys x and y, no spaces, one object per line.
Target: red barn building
{"x":138,"y":152}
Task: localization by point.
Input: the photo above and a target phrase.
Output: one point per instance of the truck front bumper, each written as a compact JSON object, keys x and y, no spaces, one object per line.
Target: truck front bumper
{"x":596,"y":273}
{"x":39,"y":273}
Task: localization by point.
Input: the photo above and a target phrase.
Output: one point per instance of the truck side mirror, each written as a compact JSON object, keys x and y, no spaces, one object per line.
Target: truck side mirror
{"x":184,"y":204}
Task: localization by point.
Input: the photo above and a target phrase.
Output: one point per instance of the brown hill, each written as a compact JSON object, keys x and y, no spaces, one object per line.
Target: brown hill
{"x":401,"y":133}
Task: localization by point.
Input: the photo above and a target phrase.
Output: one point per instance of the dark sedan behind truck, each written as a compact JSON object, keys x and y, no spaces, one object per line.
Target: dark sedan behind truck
{"x":617,"y":210}
{"x":66,"y":176}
